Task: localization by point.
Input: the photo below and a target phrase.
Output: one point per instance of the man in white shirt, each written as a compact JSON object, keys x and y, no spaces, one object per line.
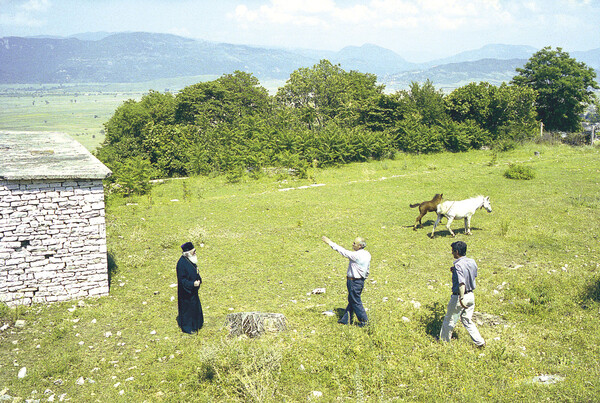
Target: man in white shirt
{"x":358,"y":271}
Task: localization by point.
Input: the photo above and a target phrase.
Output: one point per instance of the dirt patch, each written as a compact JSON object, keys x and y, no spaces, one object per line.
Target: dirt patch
{"x":486,"y":319}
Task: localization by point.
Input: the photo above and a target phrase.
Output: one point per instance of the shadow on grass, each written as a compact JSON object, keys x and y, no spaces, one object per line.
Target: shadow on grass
{"x":112,"y":267}
{"x":592,"y":292}
{"x":428,"y":223}
{"x":446,"y":233}
{"x":339,"y":312}
{"x":434,"y":318}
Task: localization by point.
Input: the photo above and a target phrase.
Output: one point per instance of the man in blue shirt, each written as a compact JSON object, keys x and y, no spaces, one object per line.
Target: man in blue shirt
{"x":462,"y":301}
{"x":358,"y":271}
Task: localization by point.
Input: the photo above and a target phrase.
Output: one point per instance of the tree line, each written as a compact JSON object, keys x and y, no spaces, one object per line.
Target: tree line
{"x":325,"y":116}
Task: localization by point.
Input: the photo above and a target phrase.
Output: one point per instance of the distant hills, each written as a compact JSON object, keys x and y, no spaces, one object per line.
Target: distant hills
{"x":139,"y":56}
{"x":452,"y":75}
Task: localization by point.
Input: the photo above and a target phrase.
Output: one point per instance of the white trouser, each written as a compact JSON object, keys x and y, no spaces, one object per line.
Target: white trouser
{"x":452,"y":314}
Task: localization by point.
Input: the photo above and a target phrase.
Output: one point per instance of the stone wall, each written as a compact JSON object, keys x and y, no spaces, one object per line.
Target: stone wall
{"x":52,"y":241}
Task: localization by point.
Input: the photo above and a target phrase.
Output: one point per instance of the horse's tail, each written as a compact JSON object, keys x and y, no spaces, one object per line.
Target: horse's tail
{"x":414,"y":205}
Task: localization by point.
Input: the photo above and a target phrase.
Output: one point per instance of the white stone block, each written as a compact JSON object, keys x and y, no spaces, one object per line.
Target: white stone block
{"x":98,"y":206}
{"x":99,"y":291}
{"x":97,"y":278}
{"x":97,"y":221}
{"x":19,"y":255}
{"x":11,"y":198}
{"x":33,"y":258}
{"x":42,"y":275}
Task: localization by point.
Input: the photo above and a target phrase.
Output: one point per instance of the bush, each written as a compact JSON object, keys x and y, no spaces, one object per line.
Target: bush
{"x":412,"y":136}
{"x":465,"y":136}
{"x":504,"y":145}
{"x":133,"y":177}
{"x":235,"y":173}
{"x":518,"y":171}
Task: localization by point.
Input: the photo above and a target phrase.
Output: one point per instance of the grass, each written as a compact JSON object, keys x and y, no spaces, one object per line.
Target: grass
{"x":81,"y":115}
{"x":539,"y":275}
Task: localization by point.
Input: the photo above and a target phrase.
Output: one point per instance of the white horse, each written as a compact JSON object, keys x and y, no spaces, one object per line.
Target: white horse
{"x":461,"y":209}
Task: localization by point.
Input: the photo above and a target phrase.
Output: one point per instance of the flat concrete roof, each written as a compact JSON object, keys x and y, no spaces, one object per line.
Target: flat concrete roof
{"x":46,"y":155}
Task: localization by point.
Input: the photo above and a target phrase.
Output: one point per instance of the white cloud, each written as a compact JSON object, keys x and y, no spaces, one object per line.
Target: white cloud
{"x":294,"y":7}
{"x":580,"y":2}
{"x":354,"y":15}
{"x":297,"y":12}
{"x":395,"y":7}
{"x":447,"y":15}
{"x":20,"y":20}
{"x":242,"y":13}
{"x":36,"y":5}
{"x":23,"y":14}
{"x":531,"y":6}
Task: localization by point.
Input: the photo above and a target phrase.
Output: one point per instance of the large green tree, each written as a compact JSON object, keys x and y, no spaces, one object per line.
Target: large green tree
{"x":505,"y":111}
{"x":564,"y":87}
{"x":327,"y":92}
{"x":427,"y":101}
{"x":224,"y":100}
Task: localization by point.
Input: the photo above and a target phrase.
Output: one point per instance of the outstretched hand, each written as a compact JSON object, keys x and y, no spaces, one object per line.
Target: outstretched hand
{"x":325,"y":239}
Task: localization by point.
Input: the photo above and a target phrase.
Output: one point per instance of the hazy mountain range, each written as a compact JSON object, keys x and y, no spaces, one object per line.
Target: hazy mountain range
{"x":138,"y":56}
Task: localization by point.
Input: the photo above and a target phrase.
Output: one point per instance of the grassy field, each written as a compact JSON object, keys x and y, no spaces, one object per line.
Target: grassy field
{"x":80,"y":110}
{"x":539,"y":281}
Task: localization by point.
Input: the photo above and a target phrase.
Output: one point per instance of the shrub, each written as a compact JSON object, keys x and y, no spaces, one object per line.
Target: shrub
{"x":412,"y":136}
{"x":504,"y":145}
{"x":518,"y":171}
{"x":133,"y":177}
{"x":235,"y":173}
{"x":465,"y":136}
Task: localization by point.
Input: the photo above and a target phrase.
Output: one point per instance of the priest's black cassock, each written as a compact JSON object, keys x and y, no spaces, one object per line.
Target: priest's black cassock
{"x":190,"y":317}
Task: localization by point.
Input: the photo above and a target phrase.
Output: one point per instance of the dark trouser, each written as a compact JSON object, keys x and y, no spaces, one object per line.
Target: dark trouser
{"x":355,"y":305}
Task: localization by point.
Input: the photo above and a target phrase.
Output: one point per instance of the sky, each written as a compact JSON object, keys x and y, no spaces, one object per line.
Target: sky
{"x":418,"y":30}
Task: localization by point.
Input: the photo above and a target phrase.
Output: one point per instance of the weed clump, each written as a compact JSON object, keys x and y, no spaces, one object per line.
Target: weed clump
{"x":518,"y":171}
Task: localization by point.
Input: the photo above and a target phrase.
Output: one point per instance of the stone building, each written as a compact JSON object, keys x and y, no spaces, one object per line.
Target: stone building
{"x":52,"y":227}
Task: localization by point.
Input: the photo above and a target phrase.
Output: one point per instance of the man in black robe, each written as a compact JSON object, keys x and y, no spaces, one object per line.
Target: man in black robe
{"x":190,"y":317}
